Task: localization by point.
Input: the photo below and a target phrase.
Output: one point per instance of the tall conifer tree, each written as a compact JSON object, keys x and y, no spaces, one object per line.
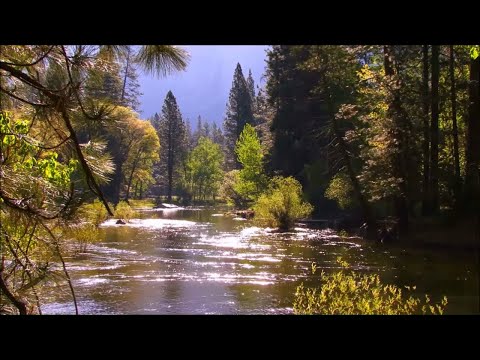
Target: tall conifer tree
{"x":239,"y":112}
{"x":171,"y":131}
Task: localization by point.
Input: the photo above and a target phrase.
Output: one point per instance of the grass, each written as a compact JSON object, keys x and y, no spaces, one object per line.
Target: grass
{"x":142,"y":204}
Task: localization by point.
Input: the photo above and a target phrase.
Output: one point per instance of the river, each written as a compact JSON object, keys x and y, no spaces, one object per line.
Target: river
{"x":196,"y":261}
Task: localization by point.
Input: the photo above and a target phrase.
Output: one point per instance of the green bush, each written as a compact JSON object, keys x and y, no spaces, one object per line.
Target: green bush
{"x":251,"y":181}
{"x":144,"y":203}
{"x":94,"y":213}
{"x":228,"y":192}
{"x":340,"y":190}
{"x":84,"y":235}
{"x":281,"y":205}
{"x":356,"y":294}
{"x":124,"y":211}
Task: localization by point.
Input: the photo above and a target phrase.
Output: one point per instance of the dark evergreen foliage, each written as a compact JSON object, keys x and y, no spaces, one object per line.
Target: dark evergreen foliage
{"x":239,"y":112}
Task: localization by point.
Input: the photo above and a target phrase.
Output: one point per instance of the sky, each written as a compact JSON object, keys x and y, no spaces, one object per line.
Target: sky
{"x":203,"y":88}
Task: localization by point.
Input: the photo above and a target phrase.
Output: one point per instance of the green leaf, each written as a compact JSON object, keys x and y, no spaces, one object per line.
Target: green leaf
{"x":475,"y":51}
{"x":48,"y":172}
{"x":9,"y":139}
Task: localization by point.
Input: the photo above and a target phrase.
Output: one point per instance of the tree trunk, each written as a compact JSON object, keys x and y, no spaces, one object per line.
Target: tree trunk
{"x":134,"y":167}
{"x":453,"y":99}
{"x":472,"y":176}
{"x":170,"y":164}
{"x":426,"y":135}
{"x":367,"y":212}
{"x":434,"y":131}
{"x":129,"y":184}
{"x":399,"y":133}
{"x":112,"y":190}
{"x":170,"y":183}
{"x":366,"y":209}
{"x":200,"y":189}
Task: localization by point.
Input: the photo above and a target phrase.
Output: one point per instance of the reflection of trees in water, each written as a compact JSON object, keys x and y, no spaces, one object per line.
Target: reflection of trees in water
{"x":154,"y":260}
{"x":433,"y":272}
{"x":227,"y":224}
{"x":170,"y":291}
{"x":437,"y":273}
{"x":158,"y":254}
{"x":117,"y":234}
{"x":292,"y":252}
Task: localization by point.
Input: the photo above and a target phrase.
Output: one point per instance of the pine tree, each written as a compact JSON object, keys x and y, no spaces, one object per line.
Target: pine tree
{"x":296,"y":113}
{"x":251,"y":86}
{"x":189,"y":135}
{"x":157,"y":168}
{"x":105,"y":85}
{"x":131,"y":88}
{"x":155,"y":120}
{"x":198,"y":133}
{"x":217,"y":135}
{"x":199,"y":124}
{"x":263,"y":114}
{"x":434,"y":131}
{"x":399,"y":132}
{"x":425,"y":89}
{"x":453,"y":99}
{"x":472,"y":172}
{"x":171,"y":131}
{"x":239,"y":112}
{"x":206,"y":130}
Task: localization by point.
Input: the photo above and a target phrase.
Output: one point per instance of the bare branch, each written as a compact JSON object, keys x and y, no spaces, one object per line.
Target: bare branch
{"x":23,"y":100}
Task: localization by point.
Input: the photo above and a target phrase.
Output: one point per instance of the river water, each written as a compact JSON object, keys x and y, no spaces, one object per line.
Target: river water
{"x":195,"y":261}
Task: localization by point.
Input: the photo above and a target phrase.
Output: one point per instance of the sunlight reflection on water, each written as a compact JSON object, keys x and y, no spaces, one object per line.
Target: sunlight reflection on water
{"x":193,"y":261}
{"x":150,"y":223}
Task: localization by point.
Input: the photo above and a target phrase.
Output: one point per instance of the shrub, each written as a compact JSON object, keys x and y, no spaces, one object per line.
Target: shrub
{"x":124,"y":211}
{"x":144,"y":203}
{"x":281,"y":205}
{"x":340,"y":190}
{"x":94,"y":213}
{"x":251,"y":181}
{"x":84,"y":235}
{"x":357,"y":294}
{"x":228,"y":190}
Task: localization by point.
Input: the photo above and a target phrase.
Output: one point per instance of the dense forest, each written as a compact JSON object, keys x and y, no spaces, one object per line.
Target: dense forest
{"x":389,"y":130}
{"x":385,"y":139}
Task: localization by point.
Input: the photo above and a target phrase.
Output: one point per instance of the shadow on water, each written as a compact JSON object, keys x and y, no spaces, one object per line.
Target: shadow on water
{"x":197,"y":261}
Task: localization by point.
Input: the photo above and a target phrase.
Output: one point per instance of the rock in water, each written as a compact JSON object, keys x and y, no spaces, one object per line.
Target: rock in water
{"x":121,"y":222}
{"x":246,"y":214}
